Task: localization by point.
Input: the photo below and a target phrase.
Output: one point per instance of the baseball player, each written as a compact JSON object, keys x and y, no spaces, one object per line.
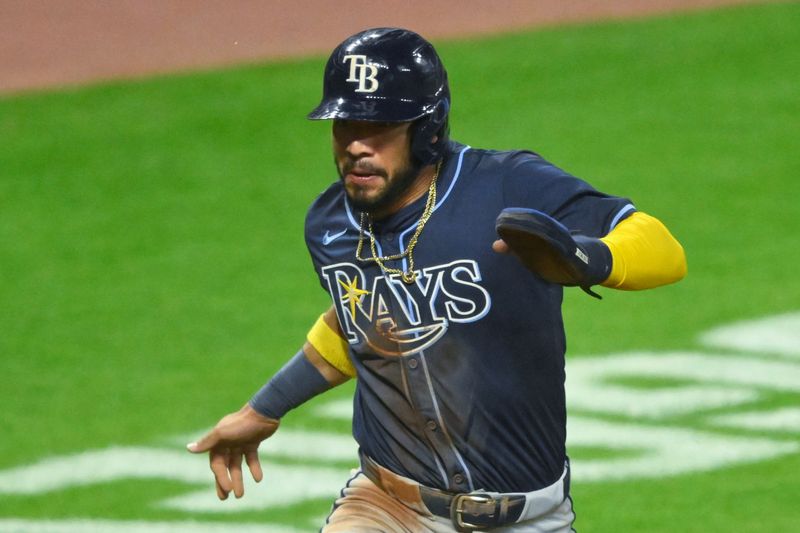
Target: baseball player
{"x":457,"y":346}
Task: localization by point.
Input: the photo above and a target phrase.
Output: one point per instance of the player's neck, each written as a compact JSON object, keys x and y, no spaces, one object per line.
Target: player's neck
{"x":416,"y":190}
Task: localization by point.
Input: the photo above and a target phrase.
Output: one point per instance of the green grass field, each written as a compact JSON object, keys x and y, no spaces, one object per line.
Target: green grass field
{"x":153,"y":272}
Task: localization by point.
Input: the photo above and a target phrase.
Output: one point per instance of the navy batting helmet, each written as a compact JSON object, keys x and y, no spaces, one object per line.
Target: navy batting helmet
{"x":389,"y":75}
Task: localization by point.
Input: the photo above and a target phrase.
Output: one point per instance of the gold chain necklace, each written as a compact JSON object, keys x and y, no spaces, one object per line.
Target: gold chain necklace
{"x":408,"y":276}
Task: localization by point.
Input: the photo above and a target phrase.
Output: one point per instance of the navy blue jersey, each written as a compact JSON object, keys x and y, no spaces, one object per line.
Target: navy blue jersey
{"x":461,"y":373}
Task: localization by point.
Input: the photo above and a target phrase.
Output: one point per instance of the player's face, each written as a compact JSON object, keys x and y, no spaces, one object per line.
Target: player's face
{"x":374,"y":162}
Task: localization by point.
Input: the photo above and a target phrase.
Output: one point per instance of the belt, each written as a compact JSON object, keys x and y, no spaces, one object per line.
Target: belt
{"x":475,"y":510}
{"x":478,"y":510}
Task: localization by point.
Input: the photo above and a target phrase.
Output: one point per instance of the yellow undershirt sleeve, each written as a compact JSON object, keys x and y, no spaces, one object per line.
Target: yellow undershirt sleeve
{"x":645,"y":254}
{"x":331,"y":346}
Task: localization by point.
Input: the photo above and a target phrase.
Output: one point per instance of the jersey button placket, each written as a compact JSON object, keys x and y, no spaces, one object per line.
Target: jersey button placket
{"x":424,"y":406}
{"x":413,"y":363}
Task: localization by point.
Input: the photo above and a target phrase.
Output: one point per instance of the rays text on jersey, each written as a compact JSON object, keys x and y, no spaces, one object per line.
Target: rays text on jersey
{"x":394,"y":318}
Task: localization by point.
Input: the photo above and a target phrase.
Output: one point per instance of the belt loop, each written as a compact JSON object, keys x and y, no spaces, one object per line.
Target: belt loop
{"x":503,"y":510}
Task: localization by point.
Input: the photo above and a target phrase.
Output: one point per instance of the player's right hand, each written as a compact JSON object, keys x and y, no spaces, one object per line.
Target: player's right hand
{"x":235,"y":436}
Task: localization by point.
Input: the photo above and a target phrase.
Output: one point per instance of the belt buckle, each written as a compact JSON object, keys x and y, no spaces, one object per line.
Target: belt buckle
{"x":481,"y":503}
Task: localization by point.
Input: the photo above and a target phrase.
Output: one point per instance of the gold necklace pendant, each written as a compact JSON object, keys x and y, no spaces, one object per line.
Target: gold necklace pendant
{"x":408,"y":276}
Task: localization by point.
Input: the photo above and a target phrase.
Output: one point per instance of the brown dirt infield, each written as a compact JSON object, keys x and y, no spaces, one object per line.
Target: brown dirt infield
{"x":45,"y":43}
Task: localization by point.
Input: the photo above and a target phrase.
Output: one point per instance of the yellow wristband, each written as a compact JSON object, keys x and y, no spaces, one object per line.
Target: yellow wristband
{"x":331,"y":347}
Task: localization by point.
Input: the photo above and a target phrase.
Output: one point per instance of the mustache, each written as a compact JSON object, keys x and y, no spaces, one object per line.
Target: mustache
{"x":362,"y":167}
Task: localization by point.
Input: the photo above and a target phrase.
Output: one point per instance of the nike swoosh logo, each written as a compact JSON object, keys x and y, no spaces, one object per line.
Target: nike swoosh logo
{"x":328,"y":238}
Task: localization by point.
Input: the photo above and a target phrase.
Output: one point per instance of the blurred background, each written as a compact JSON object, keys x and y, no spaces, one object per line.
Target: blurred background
{"x":45,"y":43}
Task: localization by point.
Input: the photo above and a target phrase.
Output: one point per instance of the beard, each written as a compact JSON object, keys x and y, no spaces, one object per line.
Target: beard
{"x":394,"y":187}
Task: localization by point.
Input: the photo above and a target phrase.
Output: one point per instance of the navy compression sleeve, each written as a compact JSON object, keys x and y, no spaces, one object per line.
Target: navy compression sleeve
{"x":294,"y":384}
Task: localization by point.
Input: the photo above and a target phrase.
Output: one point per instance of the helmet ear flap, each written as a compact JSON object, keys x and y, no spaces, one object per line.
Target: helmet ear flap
{"x":434,"y":125}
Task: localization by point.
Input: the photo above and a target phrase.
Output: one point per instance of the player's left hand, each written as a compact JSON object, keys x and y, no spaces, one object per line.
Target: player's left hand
{"x":235,"y":436}
{"x":500,"y":246}
{"x":548,"y":249}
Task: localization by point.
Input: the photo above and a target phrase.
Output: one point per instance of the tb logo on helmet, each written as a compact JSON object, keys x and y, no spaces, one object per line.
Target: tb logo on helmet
{"x":361,"y":72}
